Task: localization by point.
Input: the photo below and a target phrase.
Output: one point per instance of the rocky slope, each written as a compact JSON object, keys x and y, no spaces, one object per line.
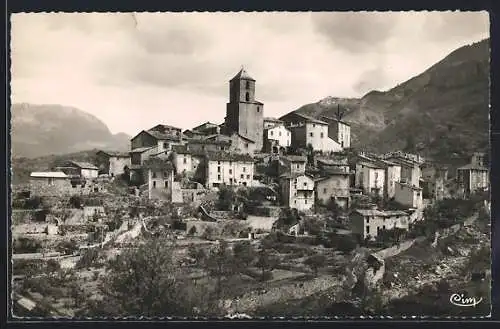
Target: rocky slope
{"x":442,"y":112}
{"x":39,"y":130}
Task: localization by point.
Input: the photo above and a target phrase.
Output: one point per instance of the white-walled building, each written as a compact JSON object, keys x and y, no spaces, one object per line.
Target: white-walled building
{"x":368,"y":223}
{"x":228,"y":169}
{"x":339,"y":131}
{"x":306,"y":131}
{"x":276,"y":138}
{"x":297,"y":191}
{"x":409,"y":195}
{"x":370,"y":177}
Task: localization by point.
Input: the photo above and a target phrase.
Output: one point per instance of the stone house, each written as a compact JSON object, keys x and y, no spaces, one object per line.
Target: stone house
{"x":207,"y":128}
{"x":297,"y":191}
{"x":306,"y":130}
{"x":50,"y":183}
{"x":473,"y":177}
{"x":368,"y":223}
{"x":334,"y":187}
{"x":214,"y":143}
{"x":232,"y":169}
{"x":370,"y":177}
{"x":339,"y":131}
{"x":192,"y":134}
{"x":326,"y":165}
{"x":113,"y":163}
{"x":294,"y":164}
{"x":156,"y":139}
{"x":409,"y":195}
{"x":411,"y":172}
{"x":242,"y":144}
{"x":433,"y":181}
{"x":160,"y":173}
{"x":244,"y":114}
{"x":277,"y":139}
{"x":185,"y":160}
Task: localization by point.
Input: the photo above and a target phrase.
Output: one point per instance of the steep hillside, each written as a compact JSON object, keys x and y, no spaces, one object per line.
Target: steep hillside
{"x":39,"y":130}
{"x":442,"y":113}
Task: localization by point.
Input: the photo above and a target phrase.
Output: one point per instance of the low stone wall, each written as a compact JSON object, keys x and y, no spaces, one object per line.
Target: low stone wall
{"x":193,"y":195}
{"x":253,"y":300}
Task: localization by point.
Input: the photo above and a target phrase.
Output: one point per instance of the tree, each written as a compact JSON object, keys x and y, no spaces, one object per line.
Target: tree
{"x":315,"y":262}
{"x":266,"y":262}
{"x":197,"y":254}
{"x":146,"y":282}
{"x":53,"y":266}
{"x":220,"y":264}
{"x":76,"y":201}
{"x":244,"y":253}
{"x":192,"y":230}
{"x":226,"y":198}
{"x":67,"y":247}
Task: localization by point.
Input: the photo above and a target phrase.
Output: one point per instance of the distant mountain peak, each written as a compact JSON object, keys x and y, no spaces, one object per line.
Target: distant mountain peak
{"x":42,"y":129}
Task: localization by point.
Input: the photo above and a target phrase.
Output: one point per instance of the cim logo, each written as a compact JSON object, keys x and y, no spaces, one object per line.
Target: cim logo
{"x":461,"y":300}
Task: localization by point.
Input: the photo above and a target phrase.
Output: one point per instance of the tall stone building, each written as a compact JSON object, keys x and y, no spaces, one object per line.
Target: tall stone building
{"x":244,"y":115}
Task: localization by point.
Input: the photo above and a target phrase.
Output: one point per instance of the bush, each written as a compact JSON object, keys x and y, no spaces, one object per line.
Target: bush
{"x":89,"y":259}
{"x":76,"y":202}
{"x":34,"y":202}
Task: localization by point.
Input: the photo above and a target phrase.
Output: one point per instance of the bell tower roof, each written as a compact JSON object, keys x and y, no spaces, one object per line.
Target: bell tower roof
{"x":242,"y":75}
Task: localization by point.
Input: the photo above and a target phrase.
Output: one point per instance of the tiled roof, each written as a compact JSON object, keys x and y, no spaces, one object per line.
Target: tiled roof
{"x":369,"y":212}
{"x":84,"y":165}
{"x":371,"y":165}
{"x":208,"y":141}
{"x":115,"y":153}
{"x":242,"y":74}
{"x":394,"y":213}
{"x":158,"y":164}
{"x":160,"y":136}
{"x":141,"y":149}
{"x":333,"y":162}
{"x":471,"y":166}
{"x":161,"y":126}
{"x":49,"y":174}
{"x":208,"y":124}
{"x":272,"y":119}
{"x":332,"y":173}
{"x":228,"y":156}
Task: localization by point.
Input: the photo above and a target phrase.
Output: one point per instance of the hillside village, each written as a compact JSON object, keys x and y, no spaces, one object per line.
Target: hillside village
{"x":287,"y":200}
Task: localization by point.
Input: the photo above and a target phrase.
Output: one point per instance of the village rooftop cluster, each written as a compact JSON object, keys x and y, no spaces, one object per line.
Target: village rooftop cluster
{"x":264,"y":174}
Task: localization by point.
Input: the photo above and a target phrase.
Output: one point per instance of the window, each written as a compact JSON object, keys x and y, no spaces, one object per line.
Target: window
{"x":258,"y":109}
{"x":218,"y":177}
{"x":324,"y":191}
{"x":244,"y":169}
{"x":246,"y":145}
{"x":279,"y":134}
{"x":248,"y":176}
{"x":165,"y":174}
{"x":185,"y":160}
{"x":376,"y":175}
{"x":321,"y":135}
{"x":271,"y":132}
{"x":305,"y":184}
{"x":165,"y":145}
{"x":305,"y":201}
{"x":230,"y":171}
{"x":295,"y":201}
{"x":166,"y":183}
{"x":367,"y":229}
{"x":247,"y":97}
{"x":314,"y":125}
{"x":367,"y":220}
{"x":311,"y":134}
{"x":218,"y":169}
{"x":154,"y":184}
{"x":154,"y":174}
{"x":298,"y":165}
{"x":51,"y":181}
{"x":248,"y":84}
{"x":242,"y":176}
{"x":218,"y":162}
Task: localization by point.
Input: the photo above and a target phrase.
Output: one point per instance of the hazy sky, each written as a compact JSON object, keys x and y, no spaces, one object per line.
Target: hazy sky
{"x":134,"y":71}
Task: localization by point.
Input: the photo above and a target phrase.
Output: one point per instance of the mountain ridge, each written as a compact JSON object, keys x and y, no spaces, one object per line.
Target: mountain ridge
{"x":50,"y":129}
{"x":443,"y":111}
